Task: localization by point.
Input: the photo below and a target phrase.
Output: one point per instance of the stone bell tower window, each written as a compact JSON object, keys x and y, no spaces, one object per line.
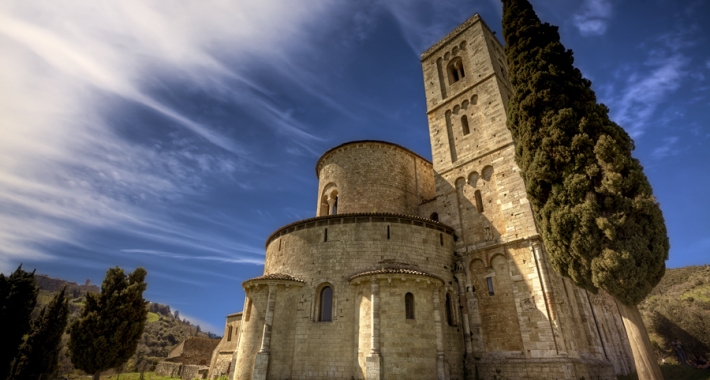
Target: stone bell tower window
{"x":326,"y":305}
{"x":464,"y":125}
{"x":229,"y":334}
{"x":456,"y":72}
{"x":409,"y":305}
{"x":479,"y":201}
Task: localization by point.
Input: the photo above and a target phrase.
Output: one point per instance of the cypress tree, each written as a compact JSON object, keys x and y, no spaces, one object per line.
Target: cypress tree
{"x":39,"y":354}
{"x":106,"y":334}
{"x":593,"y":205}
{"x":18,"y":297}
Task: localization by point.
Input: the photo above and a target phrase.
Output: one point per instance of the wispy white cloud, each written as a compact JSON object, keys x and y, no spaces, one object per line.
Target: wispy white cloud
{"x":178,"y":256}
{"x":668,"y":148}
{"x":67,"y":166}
{"x":423,"y":22}
{"x":643,"y":93}
{"x":593,"y":18}
{"x":638,"y":91}
{"x":204,"y":326}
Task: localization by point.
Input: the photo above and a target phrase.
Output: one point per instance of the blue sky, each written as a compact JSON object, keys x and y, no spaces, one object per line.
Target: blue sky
{"x":177,"y":136}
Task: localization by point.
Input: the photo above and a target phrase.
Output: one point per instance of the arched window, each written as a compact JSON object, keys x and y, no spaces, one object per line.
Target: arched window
{"x":479,"y":201}
{"x":456,"y":72}
{"x":326,"y":305}
{"x":409,"y":305}
{"x":335,"y":205}
{"x":449,"y":316}
{"x":464,"y":125}
{"x":229,"y":334}
{"x":434,"y":216}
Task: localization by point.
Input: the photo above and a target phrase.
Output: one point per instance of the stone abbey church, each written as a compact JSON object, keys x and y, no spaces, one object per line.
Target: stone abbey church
{"x":424,"y":270}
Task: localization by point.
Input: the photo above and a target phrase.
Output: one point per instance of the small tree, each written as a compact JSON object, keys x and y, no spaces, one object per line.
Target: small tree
{"x":18,"y":297}
{"x":111,"y":323}
{"x":594,"y":207}
{"x":39,"y":354}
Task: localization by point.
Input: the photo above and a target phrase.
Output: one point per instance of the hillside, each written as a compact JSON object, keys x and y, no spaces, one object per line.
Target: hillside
{"x":679,"y":308}
{"x":163,"y":330}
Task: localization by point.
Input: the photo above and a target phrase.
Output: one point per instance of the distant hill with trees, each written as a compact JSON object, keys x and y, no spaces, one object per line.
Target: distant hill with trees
{"x":679,"y":308}
{"x":163,"y":330}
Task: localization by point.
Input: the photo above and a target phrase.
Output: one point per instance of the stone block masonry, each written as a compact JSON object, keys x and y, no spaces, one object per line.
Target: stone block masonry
{"x":425,"y":270}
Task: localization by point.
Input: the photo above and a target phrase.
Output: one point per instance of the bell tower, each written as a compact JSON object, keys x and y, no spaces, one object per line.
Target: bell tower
{"x":516,"y":309}
{"x":478,"y":189}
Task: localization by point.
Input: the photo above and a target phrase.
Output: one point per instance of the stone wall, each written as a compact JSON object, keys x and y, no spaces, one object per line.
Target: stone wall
{"x":220,"y":365}
{"x":305,"y":348}
{"x":356,"y":243}
{"x":371,"y":176}
{"x":168,"y":369}
{"x":193,"y":350}
{"x":180,"y":370}
{"x":308,"y":348}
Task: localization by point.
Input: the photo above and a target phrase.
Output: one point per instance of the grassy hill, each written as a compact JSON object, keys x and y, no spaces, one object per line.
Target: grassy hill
{"x":679,"y":308}
{"x":163,"y":330}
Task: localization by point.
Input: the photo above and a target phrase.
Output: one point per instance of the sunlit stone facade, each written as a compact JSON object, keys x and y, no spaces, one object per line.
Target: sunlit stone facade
{"x":425,"y":270}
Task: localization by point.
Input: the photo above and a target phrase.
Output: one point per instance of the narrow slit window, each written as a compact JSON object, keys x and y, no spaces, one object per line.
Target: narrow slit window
{"x":490,"y":286}
{"x":248,"y":312}
{"x":326,"y":305}
{"x":388,"y":232}
{"x":464,"y":125}
{"x":229,"y":334}
{"x":449,"y":317}
{"x":325,"y":235}
{"x":479,"y":201}
{"x":441,"y":239}
{"x":409,"y":305}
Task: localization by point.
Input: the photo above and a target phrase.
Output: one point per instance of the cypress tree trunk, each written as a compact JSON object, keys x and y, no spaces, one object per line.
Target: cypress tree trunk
{"x":97,"y":376}
{"x":644,"y":357}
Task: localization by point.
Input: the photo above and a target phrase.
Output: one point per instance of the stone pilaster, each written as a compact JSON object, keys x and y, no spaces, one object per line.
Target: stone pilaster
{"x":549,"y":296}
{"x":374,"y":359}
{"x":440,"y":369}
{"x":460,"y":278}
{"x":261,"y":364}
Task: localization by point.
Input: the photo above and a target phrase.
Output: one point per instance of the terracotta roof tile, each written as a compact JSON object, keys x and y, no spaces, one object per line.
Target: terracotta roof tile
{"x":394,"y":271}
{"x":275,"y":276}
